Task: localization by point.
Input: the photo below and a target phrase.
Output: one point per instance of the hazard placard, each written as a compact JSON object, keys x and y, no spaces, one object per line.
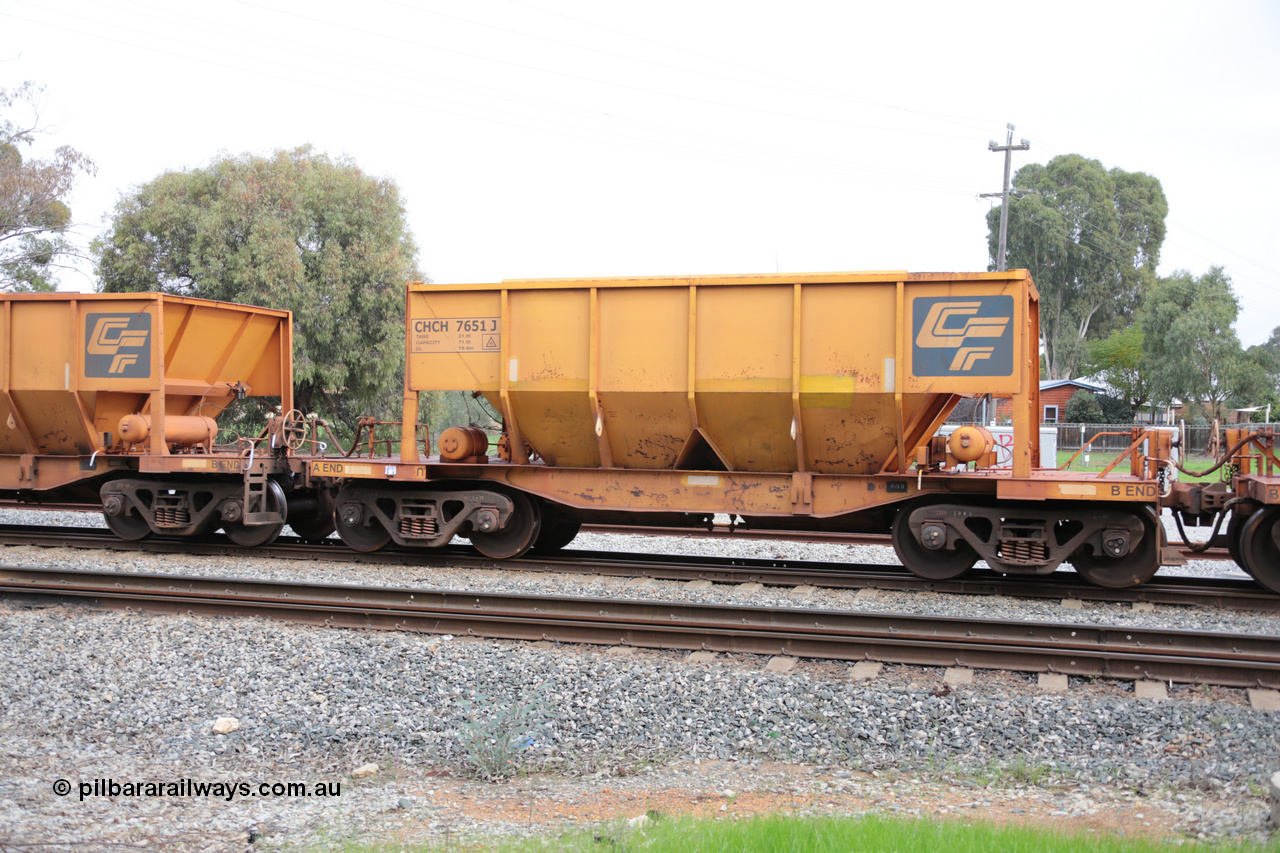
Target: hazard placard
{"x":456,"y":334}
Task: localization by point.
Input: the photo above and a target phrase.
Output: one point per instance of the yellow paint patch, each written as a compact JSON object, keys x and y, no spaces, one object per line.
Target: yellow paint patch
{"x":341,"y":469}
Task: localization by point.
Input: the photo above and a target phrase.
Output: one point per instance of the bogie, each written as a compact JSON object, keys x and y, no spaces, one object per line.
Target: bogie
{"x":937,"y":539}
{"x":137,"y":508}
{"x":500,"y":523}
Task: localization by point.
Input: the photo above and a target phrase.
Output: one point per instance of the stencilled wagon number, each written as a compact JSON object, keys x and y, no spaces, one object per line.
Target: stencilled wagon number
{"x":456,"y":334}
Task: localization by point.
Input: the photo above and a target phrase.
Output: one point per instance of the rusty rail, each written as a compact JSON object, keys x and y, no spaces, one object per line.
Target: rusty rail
{"x":1085,"y":650}
{"x":717,"y":531}
{"x":1237,"y":594}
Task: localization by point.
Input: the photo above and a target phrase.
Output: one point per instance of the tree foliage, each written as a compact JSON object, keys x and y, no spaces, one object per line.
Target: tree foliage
{"x":1120,"y":359}
{"x":1194,"y":353}
{"x":1082,"y":408}
{"x":296,"y":231}
{"x":1115,"y":410}
{"x":1266,"y":356}
{"x":34,"y":218}
{"x":1091,"y":239}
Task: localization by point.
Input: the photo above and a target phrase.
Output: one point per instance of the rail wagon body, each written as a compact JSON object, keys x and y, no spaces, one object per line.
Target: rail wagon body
{"x":804,"y":402}
{"x":116,"y":398}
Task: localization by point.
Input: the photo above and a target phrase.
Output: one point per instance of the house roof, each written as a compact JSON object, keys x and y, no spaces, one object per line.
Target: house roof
{"x":1079,"y":383}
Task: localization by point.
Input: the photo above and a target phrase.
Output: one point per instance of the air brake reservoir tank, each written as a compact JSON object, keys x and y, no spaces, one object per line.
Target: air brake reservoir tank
{"x":178,"y":429}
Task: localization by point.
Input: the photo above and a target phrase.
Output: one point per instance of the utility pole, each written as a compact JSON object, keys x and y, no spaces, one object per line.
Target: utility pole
{"x":1008,"y":148}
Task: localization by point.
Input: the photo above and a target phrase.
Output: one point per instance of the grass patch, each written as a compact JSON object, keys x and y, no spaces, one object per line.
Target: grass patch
{"x":496,"y":737}
{"x":781,"y":834}
{"x":1099,"y":460}
{"x":839,"y":835}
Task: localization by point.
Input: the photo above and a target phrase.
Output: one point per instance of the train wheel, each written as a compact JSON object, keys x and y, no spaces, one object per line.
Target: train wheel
{"x":1259,"y":550}
{"x":1129,"y":570}
{"x":131,"y":528}
{"x":1234,"y":527}
{"x":312,"y":519}
{"x":557,"y":530}
{"x":314,"y":529}
{"x":938,"y":565}
{"x":519,"y":534}
{"x":357,"y":532}
{"x":258,"y":535}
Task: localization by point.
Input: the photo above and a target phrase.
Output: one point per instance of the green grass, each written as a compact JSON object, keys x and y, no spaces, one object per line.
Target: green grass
{"x":778,"y":834}
{"x":1098,"y":460}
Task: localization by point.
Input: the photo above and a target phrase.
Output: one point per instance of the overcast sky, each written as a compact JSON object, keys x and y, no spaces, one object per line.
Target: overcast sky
{"x":572,"y":138}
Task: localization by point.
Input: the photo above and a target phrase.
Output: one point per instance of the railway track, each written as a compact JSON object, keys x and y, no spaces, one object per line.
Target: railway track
{"x":729,"y":531}
{"x":1234,"y":660}
{"x":715,"y":531}
{"x":1237,"y":594}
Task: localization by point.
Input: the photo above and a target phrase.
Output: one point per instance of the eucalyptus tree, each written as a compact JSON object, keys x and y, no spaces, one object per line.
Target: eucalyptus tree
{"x":297,"y":231}
{"x":1193,"y":351}
{"x":34,"y":217}
{"x":1091,"y":239}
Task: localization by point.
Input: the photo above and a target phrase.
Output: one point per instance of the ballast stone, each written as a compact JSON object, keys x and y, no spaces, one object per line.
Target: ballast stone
{"x":1274,"y":787}
{"x":225,"y":725}
{"x":1154,"y":690}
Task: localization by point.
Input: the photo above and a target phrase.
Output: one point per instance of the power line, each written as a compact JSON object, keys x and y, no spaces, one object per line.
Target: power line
{"x":681,"y":140}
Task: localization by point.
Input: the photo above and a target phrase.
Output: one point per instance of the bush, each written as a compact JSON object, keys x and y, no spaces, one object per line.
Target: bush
{"x":496,"y":736}
{"x":1083,"y":408}
{"x":1115,"y":410}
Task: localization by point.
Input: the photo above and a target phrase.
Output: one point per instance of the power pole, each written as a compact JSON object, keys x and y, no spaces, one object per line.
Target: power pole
{"x":1008,"y":148}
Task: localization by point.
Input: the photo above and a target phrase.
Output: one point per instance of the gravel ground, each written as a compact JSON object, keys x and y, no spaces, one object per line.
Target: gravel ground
{"x":136,"y":698}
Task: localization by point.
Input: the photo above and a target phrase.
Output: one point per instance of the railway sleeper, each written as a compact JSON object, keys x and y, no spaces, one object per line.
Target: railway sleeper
{"x":1020,"y":539}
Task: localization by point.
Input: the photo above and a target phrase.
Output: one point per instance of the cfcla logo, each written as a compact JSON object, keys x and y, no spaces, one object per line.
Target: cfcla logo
{"x":118,"y":345}
{"x":110,"y":336}
{"x":938,"y":330}
{"x":970,"y":336}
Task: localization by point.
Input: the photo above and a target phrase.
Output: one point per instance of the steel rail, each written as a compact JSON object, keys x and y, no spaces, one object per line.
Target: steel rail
{"x":1237,"y":660}
{"x":1224,"y":593}
{"x":727,"y":531}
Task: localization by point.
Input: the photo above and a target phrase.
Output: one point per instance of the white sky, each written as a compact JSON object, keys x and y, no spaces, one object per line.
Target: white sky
{"x":540,"y":138}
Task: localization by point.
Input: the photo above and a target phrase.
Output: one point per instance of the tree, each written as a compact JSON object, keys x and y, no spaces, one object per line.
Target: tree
{"x":1120,"y":359}
{"x":1083,"y":408}
{"x":297,"y":231}
{"x":1267,"y":355}
{"x":1091,"y":239}
{"x":34,"y":219}
{"x":1194,"y":352}
{"x":1267,"y":358}
{"x":1115,"y":410}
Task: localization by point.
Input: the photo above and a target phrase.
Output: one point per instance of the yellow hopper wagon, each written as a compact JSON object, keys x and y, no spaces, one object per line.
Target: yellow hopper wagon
{"x":115,"y":399}
{"x":797,"y":402}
